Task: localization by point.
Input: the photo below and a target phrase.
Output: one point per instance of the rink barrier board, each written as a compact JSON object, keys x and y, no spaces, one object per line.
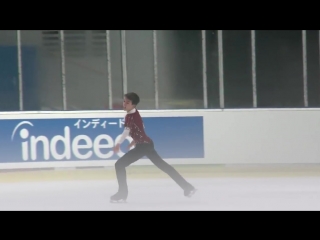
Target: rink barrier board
{"x":73,"y":139}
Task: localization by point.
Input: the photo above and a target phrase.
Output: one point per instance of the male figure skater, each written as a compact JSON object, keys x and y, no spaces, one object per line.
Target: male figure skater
{"x":144,"y":146}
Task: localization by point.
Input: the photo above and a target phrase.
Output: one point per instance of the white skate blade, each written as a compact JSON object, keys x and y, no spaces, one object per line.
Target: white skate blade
{"x":118,"y":201}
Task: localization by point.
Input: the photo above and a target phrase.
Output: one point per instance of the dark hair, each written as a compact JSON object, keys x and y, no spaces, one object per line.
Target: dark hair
{"x":133,"y":97}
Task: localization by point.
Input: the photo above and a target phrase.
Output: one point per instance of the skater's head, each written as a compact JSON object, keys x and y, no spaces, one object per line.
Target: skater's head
{"x":130,"y":101}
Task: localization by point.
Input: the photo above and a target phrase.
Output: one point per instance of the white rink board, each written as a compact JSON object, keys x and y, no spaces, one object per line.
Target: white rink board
{"x":249,"y":136}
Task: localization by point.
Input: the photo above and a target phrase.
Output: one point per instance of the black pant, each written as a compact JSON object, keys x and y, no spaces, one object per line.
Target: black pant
{"x":141,"y":150}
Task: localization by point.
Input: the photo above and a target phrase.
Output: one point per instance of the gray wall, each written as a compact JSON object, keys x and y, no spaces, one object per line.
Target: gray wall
{"x":279,"y":69}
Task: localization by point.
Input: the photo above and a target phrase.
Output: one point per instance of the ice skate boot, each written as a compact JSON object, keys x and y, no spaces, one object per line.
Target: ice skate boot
{"x":189,"y":191}
{"x":118,"y":198}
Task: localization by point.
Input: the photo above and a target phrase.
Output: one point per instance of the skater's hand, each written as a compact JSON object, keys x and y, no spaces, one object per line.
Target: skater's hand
{"x":116,"y":148}
{"x":131,"y":144}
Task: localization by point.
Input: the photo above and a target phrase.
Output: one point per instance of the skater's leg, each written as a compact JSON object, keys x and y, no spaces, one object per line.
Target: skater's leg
{"x":168,"y":169}
{"x":120,"y":166}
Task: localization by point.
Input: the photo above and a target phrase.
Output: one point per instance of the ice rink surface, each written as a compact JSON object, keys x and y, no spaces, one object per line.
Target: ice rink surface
{"x":274,"y":193}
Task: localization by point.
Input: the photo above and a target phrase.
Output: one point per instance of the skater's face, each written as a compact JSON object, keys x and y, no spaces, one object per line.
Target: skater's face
{"x":127,"y":104}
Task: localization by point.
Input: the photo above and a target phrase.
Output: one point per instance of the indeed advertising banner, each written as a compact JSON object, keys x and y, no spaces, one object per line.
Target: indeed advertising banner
{"x":76,"y":139}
